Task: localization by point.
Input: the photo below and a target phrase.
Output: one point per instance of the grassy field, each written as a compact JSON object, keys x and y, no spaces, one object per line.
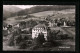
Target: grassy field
{"x":45,"y":13}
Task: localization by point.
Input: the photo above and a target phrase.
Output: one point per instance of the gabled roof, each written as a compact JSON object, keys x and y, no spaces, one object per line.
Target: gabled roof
{"x":40,"y":26}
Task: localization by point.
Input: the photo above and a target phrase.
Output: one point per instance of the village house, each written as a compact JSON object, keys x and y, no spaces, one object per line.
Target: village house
{"x":4,"y":28}
{"x":52,"y":24}
{"x":40,"y":28}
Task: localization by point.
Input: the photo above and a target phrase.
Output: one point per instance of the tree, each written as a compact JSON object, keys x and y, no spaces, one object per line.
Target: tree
{"x":31,"y":23}
{"x":50,"y":37}
{"x":23,"y":24}
{"x":44,"y":22}
{"x":26,"y":38}
{"x":13,"y":37}
{"x":17,"y":32}
{"x":23,"y":45}
{"x":30,"y":30}
{"x":19,"y":40}
{"x":34,"y":41}
{"x":11,"y":41}
{"x":40,"y":39}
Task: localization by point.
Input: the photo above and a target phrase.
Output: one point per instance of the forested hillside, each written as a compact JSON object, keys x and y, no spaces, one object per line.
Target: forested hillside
{"x":36,"y":9}
{"x":8,"y":11}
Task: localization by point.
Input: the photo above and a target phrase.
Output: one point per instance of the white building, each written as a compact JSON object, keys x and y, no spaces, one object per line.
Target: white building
{"x":38,"y":29}
{"x":4,"y":28}
{"x":50,"y":24}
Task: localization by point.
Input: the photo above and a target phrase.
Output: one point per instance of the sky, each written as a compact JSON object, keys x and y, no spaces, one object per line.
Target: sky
{"x":21,"y":6}
{"x":24,"y":6}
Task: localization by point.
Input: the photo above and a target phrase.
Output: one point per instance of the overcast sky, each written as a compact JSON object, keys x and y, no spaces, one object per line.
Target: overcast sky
{"x":24,"y":6}
{"x":21,"y":6}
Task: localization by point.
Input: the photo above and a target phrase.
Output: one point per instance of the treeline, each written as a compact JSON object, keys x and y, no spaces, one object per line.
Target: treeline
{"x":39,"y":8}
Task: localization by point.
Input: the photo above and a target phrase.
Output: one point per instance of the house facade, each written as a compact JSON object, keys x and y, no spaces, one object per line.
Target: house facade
{"x":39,"y":29}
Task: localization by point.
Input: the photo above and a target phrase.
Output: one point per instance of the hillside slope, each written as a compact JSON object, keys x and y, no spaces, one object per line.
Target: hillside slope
{"x":39,"y":8}
{"x":6,"y":14}
{"x":11,"y":8}
{"x":8,"y":11}
{"x":70,"y":13}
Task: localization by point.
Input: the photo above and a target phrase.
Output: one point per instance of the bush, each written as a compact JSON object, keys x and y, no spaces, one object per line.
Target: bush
{"x":51,"y":44}
{"x":62,"y":36}
{"x":23,"y":45}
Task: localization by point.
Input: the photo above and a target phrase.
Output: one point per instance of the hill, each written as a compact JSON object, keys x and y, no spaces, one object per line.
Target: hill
{"x":13,"y":11}
{"x":68,"y":14}
{"x":40,"y":8}
{"x":9,"y":10}
{"x":6,"y":14}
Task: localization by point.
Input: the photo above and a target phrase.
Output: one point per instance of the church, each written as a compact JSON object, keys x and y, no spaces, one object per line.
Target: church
{"x":40,"y":28}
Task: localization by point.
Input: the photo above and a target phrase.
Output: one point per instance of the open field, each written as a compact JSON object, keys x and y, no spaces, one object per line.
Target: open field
{"x":45,"y":13}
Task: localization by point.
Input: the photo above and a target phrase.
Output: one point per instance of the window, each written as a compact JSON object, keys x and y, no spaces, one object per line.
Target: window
{"x":36,"y":35}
